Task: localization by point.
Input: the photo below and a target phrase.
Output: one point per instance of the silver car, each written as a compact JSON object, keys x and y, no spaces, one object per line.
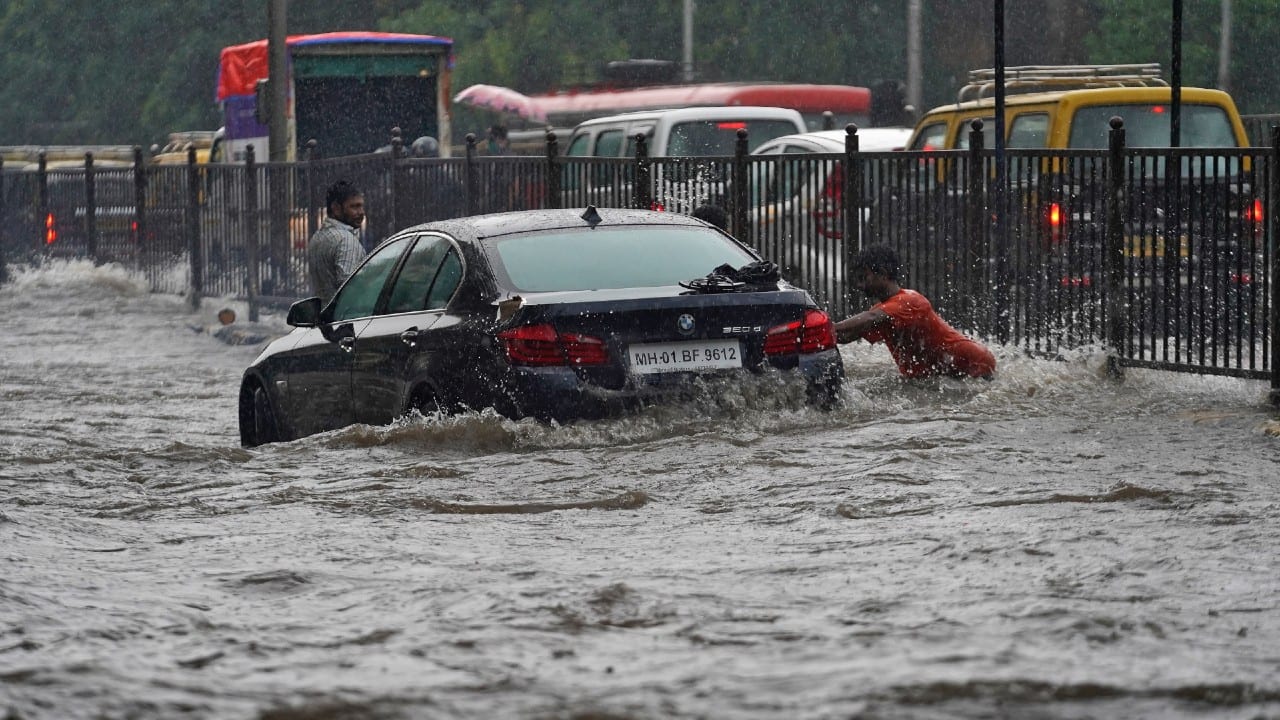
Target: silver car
{"x":797,"y":196}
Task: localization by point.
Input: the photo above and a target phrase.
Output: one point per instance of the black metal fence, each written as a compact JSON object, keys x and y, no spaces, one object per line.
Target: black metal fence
{"x":1165,"y":257}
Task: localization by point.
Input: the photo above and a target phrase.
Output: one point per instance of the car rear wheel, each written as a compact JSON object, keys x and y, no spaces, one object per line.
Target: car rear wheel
{"x":428,"y":403}
{"x":824,"y":393}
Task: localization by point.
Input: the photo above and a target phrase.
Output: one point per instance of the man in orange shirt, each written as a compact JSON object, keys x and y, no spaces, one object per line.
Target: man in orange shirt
{"x":921,"y":342}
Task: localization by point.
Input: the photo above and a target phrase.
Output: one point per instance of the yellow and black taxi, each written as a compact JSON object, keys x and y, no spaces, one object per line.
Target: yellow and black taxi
{"x":1192,"y":214}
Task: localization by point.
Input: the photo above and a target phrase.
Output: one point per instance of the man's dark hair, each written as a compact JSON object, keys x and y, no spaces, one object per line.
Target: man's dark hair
{"x":498,"y":132}
{"x":712,"y":214}
{"x":880,"y":259}
{"x":340,"y":192}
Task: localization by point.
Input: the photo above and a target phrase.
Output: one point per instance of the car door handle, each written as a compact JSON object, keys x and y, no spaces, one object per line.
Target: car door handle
{"x":347,"y":343}
{"x":410,"y":337}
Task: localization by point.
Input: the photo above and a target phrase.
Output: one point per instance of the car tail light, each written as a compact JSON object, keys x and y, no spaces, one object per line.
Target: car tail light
{"x":50,"y":229}
{"x":1254,"y":215}
{"x":1253,"y":211}
{"x":659,"y":207}
{"x":1076,"y":281}
{"x":1053,"y":217}
{"x":542,"y":346}
{"x":826,"y":213}
{"x":1242,"y":278}
{"x":812,"y":333}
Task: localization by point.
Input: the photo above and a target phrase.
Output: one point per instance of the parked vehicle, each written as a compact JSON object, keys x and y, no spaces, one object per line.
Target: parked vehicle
{"x":809,"y":192}
{"x":553,"y":314}
{"x":797,"y":200}
{"x":174,"y":152}
{"x":346,"y":91}
{"x":703,"y":138}
{"x":1193,"y":223}
{"x":682,"y":132}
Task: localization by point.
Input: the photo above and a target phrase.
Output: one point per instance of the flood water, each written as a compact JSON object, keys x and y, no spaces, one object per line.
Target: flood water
{"x":1051,"y":544}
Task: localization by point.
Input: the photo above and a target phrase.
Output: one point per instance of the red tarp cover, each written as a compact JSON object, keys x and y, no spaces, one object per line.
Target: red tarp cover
{"x":242,"y":66}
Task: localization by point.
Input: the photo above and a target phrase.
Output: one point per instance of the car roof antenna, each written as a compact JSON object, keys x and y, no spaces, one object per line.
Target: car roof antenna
{"x":592,"y":216}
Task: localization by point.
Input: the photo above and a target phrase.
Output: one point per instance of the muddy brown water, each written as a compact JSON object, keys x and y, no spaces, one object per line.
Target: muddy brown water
{"x":1051,"y":544}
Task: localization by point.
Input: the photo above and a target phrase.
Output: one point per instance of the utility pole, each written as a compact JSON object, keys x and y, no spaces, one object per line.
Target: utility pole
{"x":277,"y":85}
{"x":688,"y":41}
{"x":1224,"y":48}
{"x":915,"y":94}
{"x":1175,"y":104}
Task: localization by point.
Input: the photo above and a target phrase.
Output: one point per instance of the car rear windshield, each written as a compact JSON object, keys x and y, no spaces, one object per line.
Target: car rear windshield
{"x":704,"y":138}
{"x":1204,"y":126}
{"x":617,"y":257}
{"x":110,"y":188}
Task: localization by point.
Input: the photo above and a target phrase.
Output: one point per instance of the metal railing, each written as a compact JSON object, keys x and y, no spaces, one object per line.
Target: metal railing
{"x":1165,"y":257}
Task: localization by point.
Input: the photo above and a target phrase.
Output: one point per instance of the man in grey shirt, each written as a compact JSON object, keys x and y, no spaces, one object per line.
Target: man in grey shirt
{"x":335,"y":250}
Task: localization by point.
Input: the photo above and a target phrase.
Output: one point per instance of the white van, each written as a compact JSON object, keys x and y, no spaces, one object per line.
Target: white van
{"x":683,"y":132}
{"x":599,"y":167}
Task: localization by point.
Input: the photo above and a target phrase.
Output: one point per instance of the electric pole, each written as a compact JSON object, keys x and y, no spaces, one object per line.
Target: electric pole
{"x":277,"y":83}
{"x":688,"y":41}
{"x":915,"y":94}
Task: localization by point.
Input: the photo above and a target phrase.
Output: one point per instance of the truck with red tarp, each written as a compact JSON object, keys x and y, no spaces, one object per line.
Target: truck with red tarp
{"x":346,"y":91}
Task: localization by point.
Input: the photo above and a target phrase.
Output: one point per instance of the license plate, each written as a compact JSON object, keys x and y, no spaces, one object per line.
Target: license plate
{"x":1151,"y":246}
{"x":648,"y":358}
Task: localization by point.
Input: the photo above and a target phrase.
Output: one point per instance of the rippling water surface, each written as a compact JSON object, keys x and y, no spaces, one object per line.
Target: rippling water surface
{"x":1051,"y":544}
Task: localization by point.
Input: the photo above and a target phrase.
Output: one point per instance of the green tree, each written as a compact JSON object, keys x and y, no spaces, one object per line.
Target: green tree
{"x":1141,"y":31}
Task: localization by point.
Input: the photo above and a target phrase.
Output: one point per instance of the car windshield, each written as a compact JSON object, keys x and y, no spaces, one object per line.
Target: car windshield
{"x":705,"y":138}
{"x":1203,"y":126}
{"x":617,"y":257}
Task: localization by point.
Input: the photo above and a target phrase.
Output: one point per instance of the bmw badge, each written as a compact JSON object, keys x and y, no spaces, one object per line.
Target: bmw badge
{"x":685,"y":324}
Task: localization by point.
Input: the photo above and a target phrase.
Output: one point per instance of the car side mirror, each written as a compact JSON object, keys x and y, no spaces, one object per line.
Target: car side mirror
{"x":305,"y":313}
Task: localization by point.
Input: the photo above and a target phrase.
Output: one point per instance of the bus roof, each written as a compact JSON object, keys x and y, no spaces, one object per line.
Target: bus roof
{"x":571,"y":106}
{"x":241,"y":66}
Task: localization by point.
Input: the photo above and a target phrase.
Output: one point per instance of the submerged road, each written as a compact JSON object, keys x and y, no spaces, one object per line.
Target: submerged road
{"x":1051,"y":544}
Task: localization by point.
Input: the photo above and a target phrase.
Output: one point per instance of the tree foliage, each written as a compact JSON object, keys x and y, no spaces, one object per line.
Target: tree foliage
{"x":84,"y":71}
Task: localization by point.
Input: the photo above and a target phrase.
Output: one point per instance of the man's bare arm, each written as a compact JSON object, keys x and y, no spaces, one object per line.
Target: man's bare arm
{"x":855,"y":327}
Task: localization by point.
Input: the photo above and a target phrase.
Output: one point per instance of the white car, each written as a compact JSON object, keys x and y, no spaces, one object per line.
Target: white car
{"x":692,"y":149}
{"x":797,"y":194}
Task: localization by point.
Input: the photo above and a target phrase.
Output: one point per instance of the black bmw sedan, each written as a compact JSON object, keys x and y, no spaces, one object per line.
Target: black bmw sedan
{"x":553,"y":314}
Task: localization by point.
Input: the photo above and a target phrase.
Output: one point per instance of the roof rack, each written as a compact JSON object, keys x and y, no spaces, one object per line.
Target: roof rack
{"x":1038,"y":78}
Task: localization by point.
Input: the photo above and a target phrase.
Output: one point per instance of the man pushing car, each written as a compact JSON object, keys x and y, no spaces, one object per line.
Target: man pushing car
{"x":921,"y":342}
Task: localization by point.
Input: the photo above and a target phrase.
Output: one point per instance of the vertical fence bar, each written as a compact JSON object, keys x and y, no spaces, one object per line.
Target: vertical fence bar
{"x":313,"y":220}
{"x":42,"y":199}
{"x":740,"y":195}
{"x":971,"y":255}
{"x":641,"y":189}
{"x":552,"y":199}
{"x":251,"y":226}
{"x":1274,"y":281}
{"x":852,"y":189}
{"x":90,"y":208}
{"x":470,"y":175}
{"x":852,"y":208}
{"x":1117,"y":327}
{"x":397,"y":153}
{"x":139,"y":234}
{"x":195,"y":248}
